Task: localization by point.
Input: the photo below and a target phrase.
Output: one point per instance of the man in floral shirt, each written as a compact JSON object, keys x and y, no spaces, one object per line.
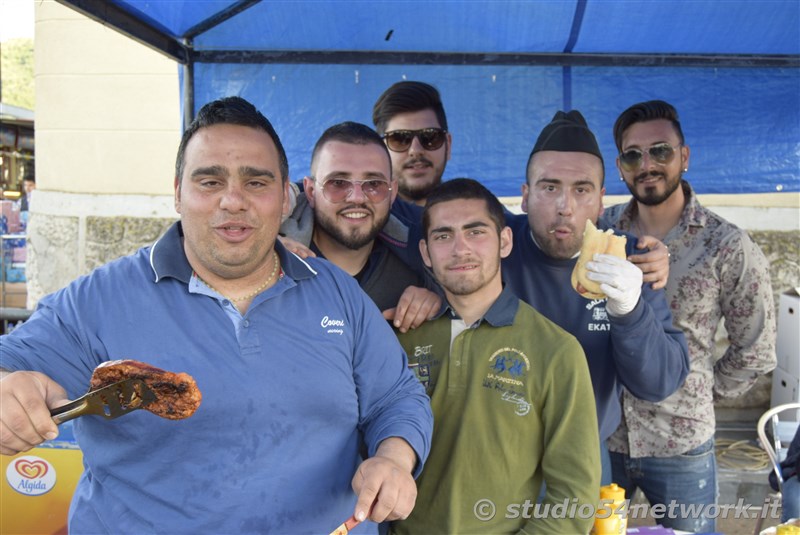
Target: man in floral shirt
{"x":716,"y":271}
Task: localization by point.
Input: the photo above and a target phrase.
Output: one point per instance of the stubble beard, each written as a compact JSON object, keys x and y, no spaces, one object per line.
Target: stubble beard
{"x":558,"y":249}
{"x":467,"y":286}
{"x":418,"y":191}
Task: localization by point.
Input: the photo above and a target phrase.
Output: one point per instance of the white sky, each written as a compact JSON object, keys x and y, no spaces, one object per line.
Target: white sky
{"x":16,"y":19}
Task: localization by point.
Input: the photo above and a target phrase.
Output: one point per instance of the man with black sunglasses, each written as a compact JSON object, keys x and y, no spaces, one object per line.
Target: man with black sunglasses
{"x":716,"y":272}
{"x":410,"y":117}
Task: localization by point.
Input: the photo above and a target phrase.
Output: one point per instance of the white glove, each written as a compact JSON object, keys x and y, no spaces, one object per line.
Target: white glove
{"x":619,"y":279}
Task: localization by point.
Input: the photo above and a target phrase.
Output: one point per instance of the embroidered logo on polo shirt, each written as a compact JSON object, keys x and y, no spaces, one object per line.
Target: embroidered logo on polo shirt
{"x":421,"y":361}
{"x":508,"y":370}
{"x":333,"y":326}
{"x":522,"y":406}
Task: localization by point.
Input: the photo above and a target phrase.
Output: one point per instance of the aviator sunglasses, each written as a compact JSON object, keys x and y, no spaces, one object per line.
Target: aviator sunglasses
{"x":337,"y":190}
{"x":401,"y":140}
{"x":661,"y":153}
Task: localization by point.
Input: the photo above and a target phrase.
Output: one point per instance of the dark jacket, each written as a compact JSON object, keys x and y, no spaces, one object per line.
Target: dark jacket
{"x":791,"y":465}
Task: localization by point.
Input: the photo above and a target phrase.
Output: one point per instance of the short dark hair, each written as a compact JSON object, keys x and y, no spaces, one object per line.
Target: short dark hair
{"x":231,"y":110}
{"x":646,"y":111}
{"x":352,"y":133}
{"x":463,"y":188}
{"x":405,"y":97}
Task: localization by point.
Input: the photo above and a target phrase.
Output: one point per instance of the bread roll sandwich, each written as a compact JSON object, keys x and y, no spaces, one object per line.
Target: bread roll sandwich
{"x":595,"y":241}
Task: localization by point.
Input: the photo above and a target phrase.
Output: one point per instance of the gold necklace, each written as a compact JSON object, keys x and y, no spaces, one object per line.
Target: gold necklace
{"x":251,"y":294}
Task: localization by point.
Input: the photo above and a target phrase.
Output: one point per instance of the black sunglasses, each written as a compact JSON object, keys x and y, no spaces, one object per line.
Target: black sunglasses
{"x":401,"y":140}
{"x":661,"y":153}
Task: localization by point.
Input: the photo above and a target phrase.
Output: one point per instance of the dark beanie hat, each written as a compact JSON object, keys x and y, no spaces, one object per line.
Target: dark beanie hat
{"x":567,"y":132}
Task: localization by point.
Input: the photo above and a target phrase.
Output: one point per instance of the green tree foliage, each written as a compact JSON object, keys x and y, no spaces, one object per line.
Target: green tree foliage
{"x":16,"y":73}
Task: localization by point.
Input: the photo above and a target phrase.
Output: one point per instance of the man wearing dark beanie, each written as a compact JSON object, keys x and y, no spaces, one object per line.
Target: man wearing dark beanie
{"x":628,"y":338}
{"x":567,"y":132}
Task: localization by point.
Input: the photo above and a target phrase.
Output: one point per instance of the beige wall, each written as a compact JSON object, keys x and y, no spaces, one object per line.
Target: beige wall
{"x":107,"y":128}
{"x":107,"y":108}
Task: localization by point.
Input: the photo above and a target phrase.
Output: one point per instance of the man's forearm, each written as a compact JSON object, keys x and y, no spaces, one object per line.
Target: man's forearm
{"x":399,"y":451}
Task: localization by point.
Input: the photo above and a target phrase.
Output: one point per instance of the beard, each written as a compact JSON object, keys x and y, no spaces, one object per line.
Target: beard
{"x":412,"y":188}
{"x":418,"y":192}
{"x":353,"y":239}
{"x":651,"y":196}
{"x":463,"y":287}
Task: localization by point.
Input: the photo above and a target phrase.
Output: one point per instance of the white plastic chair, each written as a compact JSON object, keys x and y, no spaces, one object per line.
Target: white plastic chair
{"x":782,"y":434}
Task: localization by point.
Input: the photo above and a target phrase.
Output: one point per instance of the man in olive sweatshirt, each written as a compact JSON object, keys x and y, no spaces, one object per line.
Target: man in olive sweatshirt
{"x":510,"y":390}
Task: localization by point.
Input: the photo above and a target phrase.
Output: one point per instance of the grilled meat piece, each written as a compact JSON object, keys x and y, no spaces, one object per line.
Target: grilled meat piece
{"x":177,"y":395}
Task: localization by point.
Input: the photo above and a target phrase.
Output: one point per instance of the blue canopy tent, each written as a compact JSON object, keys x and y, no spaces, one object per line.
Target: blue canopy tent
{"x":731,"y":68}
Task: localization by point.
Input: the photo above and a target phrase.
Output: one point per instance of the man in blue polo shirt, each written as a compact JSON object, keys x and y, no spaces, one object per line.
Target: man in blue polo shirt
{"x":275,"y":445}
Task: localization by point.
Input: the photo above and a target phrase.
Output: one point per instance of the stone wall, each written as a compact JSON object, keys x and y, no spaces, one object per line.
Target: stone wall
{"x":62,"y":248}
{"x":52,"y":256}
{"x":108,"y":238}
{"x":782,"y":249}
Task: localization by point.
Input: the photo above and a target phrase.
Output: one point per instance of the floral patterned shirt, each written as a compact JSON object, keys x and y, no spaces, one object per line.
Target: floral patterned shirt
{"x":716,"y":271}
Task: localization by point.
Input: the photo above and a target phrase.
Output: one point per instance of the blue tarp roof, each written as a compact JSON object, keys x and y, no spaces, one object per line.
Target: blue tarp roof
{"x":766,"y":27}
{"x":731,"y":67}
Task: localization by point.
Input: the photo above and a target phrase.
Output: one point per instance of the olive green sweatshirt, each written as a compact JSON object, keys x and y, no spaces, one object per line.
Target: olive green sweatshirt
{"x":513,"y":407}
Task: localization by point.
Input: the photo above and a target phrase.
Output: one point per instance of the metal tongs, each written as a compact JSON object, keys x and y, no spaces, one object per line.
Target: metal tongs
{"x":110,"y":402}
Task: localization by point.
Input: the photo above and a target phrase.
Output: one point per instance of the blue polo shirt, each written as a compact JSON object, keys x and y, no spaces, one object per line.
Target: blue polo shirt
{"x":313,"y":371}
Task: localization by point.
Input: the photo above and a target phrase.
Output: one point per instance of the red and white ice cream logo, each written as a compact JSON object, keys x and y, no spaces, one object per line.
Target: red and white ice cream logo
{"x":31,"y":475}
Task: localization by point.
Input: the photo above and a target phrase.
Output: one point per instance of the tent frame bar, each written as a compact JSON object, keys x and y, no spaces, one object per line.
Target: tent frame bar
{"x":111,"y":15}
{"x":219,"y":18}
{"x":348,"y":57}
